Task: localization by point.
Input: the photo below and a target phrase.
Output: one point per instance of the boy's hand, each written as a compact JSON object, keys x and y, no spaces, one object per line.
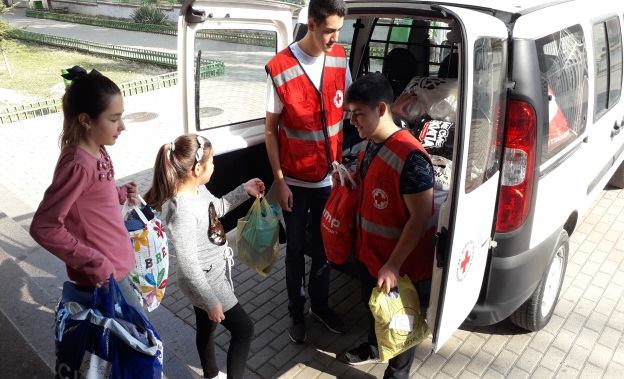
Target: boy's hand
{"x":215,"y":314}
{"x":387,"y":278}
{"x":254,"y":187}
{"x":284,"y":196}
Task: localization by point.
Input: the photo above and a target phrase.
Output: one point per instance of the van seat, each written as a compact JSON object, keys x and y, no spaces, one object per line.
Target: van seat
{"x":399,"y":66}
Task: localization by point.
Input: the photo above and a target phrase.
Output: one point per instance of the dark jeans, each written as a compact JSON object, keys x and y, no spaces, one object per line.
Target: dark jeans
{"x":399,"y":366}
{"x":241,"y":330}
{"x":304,"y":200}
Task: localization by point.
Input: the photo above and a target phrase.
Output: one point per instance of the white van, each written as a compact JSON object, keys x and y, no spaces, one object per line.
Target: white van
{"x":536,"y":114}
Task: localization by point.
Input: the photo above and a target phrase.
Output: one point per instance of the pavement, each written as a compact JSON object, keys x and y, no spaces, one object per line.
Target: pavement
{"x":584,"y":339}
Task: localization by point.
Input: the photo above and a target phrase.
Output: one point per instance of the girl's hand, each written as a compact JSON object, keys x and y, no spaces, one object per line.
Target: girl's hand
{"x":105,"y":282}
{"x":254,"y":187}
{"x":215,"y":314}
{"x":132,"y":190}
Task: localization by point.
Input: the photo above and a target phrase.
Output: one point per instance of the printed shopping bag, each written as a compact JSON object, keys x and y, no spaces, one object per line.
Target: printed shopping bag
{"x":257,"y":244}
{"x":98,"y":335}
{"x":151,"y":253}
{"x":338,"y":220}
{"x":399,"y":323}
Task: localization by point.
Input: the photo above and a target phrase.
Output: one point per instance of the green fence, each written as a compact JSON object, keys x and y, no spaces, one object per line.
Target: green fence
{"x":208,"y":69}
{"x":42,"y":108}
{"x":242,"y":37}
{"x":31,"y":110}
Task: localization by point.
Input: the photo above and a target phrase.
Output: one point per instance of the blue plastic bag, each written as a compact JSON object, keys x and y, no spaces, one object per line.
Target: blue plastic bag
{"x":106,"y":338}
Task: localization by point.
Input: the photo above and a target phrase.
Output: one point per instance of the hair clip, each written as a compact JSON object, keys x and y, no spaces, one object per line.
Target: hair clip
{"x":75,"y":72}
{"x":200,"y":149}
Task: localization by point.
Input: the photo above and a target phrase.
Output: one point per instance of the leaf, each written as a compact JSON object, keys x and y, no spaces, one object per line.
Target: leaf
{"x":150,"y":279}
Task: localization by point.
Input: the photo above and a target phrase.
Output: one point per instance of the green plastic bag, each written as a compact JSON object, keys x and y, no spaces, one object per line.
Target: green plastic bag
{"x":257,"y":233}
{"x":399,"y":323}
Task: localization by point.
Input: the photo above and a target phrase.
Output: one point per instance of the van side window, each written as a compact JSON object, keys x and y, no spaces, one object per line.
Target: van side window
{"x":608,"y":65}
{"x":234,"y":61}
{"x":403,"y":48}
{"x":563,"y":66}
{"x":488,"y":102}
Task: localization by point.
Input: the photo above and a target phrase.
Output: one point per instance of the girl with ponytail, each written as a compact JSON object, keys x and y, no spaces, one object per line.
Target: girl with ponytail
{"x":191,"y":216}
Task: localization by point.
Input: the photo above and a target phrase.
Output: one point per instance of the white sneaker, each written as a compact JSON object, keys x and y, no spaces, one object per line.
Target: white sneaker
{"x":220,"y":375}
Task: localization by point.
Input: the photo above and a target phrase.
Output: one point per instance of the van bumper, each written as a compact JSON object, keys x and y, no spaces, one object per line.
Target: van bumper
{"x":511,"y":281}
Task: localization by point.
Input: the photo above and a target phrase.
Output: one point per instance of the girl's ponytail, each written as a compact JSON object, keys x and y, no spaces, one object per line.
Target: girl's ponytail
{"x":165,"y":180}
{"x":174,"y":163}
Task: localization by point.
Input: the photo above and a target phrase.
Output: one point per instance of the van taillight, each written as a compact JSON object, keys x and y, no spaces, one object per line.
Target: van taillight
{"x":518,"y":166}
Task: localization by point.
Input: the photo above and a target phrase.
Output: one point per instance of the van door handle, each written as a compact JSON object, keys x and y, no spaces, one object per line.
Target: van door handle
{"x":441,"y":243}
{"x":617,"y":128}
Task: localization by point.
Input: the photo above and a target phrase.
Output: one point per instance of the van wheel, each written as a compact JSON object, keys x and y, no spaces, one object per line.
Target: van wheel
{"x":535,"y":313}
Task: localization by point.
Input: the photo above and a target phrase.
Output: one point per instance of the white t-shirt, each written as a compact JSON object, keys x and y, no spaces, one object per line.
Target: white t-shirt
{"x":313,"y":67}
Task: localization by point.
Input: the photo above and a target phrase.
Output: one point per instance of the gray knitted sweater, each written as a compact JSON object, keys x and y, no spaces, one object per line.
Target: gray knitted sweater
{"x":202,"y":265}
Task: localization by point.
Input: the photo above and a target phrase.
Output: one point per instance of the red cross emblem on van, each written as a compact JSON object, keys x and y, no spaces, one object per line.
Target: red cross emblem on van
{"x":465,"y":261}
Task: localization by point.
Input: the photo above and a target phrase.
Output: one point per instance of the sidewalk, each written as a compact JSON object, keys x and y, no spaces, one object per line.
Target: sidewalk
{"x":584,"y":338}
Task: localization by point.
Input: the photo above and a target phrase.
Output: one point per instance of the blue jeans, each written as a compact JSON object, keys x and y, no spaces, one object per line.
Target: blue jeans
{"x":304,"y":200}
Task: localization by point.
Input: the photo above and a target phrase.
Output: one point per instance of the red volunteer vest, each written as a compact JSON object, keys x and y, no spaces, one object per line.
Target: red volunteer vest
{"x":383,"y":213}
{"x":310,"y":132}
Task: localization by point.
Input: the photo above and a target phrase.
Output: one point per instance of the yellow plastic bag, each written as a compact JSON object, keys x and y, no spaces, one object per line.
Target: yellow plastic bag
{"x":399,"y":323}
{"x":257,"y":234}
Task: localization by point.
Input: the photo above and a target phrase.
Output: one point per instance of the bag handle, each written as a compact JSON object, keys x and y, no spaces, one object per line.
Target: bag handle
{"x":105,"y":299}
{"x":342,"y":173}
{"x":138,"y":210}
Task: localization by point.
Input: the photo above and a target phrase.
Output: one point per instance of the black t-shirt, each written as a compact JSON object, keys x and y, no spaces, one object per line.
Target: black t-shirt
{"x":417,"y":175}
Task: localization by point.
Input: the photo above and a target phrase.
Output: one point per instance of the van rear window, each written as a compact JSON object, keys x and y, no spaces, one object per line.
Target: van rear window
{"x":563,"y":66}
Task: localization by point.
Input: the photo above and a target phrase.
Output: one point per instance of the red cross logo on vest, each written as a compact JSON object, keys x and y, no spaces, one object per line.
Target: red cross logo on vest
{"x":338,"y":99}
{"x":380,"y":198}
{"x":465,"y":261}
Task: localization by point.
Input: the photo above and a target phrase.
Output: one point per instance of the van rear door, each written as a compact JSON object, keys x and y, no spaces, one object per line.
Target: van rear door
{"x":466,"y":218}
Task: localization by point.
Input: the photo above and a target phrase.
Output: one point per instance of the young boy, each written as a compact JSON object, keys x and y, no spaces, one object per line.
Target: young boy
{"x":305,"y":95}
{"x":396,"y":205}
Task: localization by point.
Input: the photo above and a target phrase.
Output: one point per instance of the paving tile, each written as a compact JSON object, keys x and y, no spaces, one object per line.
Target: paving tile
{"x":504,"y":361}
{"x":566,"y":372}
{"x":541,"y":341}
{"x":600,"y":356}
{"x":456,"y":364}
{"x":591,"y":371}
{"x":552,"y":359}
{"x":495,"y":344}
{"x":574,"y":322}
{"x":614,"y":371}
{"x":616,"y":321}
{"x":517,"y":373}
{"x":432,"y":365}
{"x":529,"y":359}
{"x":480,"y":362}
{"x":618,"y":355}
{"x":543,"y":373}
{"x":576,"y":357}
{"x":472,"y":345}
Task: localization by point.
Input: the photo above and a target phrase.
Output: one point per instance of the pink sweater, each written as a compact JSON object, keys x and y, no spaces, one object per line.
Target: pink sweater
{"x":79,"y":219}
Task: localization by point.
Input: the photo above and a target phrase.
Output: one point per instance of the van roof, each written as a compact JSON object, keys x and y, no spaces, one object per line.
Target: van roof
{"x":507,"y":6}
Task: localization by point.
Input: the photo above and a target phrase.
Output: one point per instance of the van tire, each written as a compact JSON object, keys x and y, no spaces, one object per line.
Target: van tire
{"x":535,"y":313}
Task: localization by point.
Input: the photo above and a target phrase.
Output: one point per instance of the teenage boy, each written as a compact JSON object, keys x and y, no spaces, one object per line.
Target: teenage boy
{"x":305,"y":94}
{"x":395,"y":209}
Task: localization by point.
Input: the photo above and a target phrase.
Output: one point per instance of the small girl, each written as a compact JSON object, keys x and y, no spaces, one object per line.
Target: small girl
{"x":79,"y":219}
{"x":191,"y":215}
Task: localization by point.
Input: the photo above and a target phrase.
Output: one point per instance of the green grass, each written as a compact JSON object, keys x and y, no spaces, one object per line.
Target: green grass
{"x":37,"y":70}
